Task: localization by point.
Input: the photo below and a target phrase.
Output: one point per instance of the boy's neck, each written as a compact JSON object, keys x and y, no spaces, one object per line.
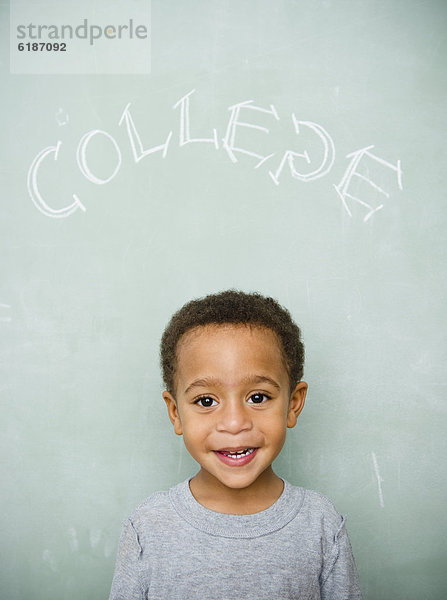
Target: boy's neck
{"x":214,"y":495}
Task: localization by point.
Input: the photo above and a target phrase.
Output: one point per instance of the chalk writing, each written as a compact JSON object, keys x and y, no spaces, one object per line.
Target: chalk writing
{"x":61,"y":117}
{"x":34,"y":193}
{"x":290,"y":156}
{"x":82,"y":159}
{"x":185,"y":135}
{"x":234,"y":123}
{"x":379,"y":479}
{"x":296,"y":164}
{"x":351,"y":172}
{"x":135,"y":140}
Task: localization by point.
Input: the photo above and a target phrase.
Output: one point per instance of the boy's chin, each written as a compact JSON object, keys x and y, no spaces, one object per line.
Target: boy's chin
{"x":237,"y":479}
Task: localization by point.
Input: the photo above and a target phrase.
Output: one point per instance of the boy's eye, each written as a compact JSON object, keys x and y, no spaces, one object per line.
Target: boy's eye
{"x":205,"y":402}
{"x":258,"y":398}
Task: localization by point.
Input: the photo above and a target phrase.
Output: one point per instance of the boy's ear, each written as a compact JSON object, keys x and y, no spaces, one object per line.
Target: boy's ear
{"x":173,"y":412}
{"x":296,"y":403}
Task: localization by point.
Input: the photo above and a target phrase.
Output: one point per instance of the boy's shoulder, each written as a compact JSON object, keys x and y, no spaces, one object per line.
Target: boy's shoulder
{"x":317,"y":507}
{"x":157,"y":502}
{"x":317,"y":499}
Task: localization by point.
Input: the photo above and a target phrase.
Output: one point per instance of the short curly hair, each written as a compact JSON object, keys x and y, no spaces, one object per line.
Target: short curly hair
{"x":236,"y":308}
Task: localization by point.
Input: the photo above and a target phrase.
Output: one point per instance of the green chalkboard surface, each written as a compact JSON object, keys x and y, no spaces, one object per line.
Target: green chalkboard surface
{"x":296,"y":148}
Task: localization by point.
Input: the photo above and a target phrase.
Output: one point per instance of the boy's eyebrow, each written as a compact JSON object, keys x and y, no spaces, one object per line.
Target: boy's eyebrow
{"x":208,"y":381}
{"x":262,"y":379}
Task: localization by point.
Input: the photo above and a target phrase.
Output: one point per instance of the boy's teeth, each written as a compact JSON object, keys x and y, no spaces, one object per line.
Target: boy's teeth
{"x":239,"y":454}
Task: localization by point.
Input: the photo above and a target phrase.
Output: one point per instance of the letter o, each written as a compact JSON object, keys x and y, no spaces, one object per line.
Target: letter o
{"x":82,"y":160}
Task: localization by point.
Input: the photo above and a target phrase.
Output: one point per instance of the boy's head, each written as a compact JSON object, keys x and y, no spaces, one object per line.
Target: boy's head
{"x":232,"y":364}
{"x":233,"y":308}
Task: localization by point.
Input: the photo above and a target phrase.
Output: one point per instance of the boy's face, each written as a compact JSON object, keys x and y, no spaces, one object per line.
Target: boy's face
{"x":233,"y":403}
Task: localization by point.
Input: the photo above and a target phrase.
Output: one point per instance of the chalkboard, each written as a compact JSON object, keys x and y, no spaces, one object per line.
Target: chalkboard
{"x":296,"y":148}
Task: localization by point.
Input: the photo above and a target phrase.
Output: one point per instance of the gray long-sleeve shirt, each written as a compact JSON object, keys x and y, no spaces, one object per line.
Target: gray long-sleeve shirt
{"x":173,"y":548}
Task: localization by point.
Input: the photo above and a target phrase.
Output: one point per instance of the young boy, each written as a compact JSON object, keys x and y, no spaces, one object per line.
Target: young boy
{"x":232,"y":365}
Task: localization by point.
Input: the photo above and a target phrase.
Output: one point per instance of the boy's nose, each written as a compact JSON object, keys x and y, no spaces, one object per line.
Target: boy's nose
{"x":234,"y":418}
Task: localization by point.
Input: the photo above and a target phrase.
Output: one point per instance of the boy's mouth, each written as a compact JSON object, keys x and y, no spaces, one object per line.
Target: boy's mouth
{"x":237,"y":453}
{"x":236,"y":456}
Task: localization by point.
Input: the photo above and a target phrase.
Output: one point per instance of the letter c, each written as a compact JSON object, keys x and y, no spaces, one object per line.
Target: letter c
{"x":39,"y":202}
